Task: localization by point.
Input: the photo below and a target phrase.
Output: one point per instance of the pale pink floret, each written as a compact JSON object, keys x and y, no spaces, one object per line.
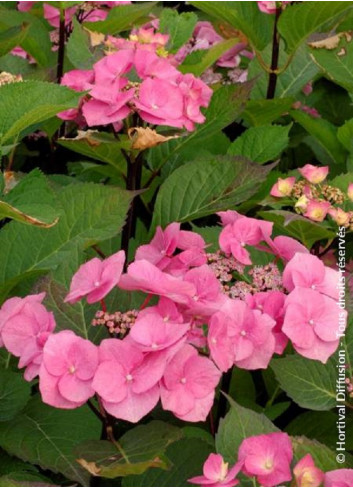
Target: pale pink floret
{"x":314,"y":174}
{"x":66,"y":374}
{"x":96,"y":278}
{"x":244,"y":231}
{"x":272,"y":304}
{"x":142,"y":275}
{"x":317,"y":210}
{"x":285,"y":247}
{"x":127,"y":379}
{"x":339,"y":478}
{"x":160,"y":102}
{"x":25,"y":6}
{"x":149,"y":65}
{"x":283,"y":187}
{"x":267,"y":457}
{"x":161,"y":248}
{"x":188,"y":385}
{"x":267,"y":7}
{"x":350,"y":191}
{"x":208,"y":296}
{"x":52,"y":14}
{"x":340,"y":217}
{"x":307,"y":474}
{"x":251,"y":335}
{"x":312,"y":322}
{"x":216,"y":473}
{"x":25,"y":326}
{"x":308,"y":271}
{"x":153,"y":332}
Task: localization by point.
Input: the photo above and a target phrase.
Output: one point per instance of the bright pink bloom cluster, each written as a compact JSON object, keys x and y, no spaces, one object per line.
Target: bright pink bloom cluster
{"x":25,"y":326}
{"x":175,"y":350}
{"x":161,"y":95}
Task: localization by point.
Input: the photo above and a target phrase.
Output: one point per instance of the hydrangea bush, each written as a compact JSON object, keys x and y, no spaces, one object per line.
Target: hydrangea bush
{"x":176,"y":232}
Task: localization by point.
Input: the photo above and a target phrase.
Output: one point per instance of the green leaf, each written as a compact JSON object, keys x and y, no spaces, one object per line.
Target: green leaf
{"x":12,"y":37}
{"x":208,"y":59}
{"x":336,"y":64}
{"x":298,"y":21}
{"x":37,"y":41}
{"x":324,"y":133}
{"x":27,"y":103}
{"x":262,"y":112}
{"x":324,"y":457}
{"x":143,"y":447}
{"x":239,"y":423}
{"x":78,"y":48}
{"x":309,"y":383}
{"x":14,"y":394}
{"x":31,"y":201}
{"x":345,"y":134}
{"x":46,"y":436}
{"x":321,"y":426}
{"x":90,"y":213}
{"x":99,"y":146}
{"x":300,"y":71}
{"x":261,"y":144}
{"x":18,"y":480}
{"x":244,"y":16}
{"x":298,"y":227}
{"x":179,"y":27}
{"x":121,"y":18}
{"x":187,"y":456}
{"x":206,"y":186}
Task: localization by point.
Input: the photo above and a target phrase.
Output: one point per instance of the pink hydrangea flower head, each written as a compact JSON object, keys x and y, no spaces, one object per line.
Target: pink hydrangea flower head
{"x":149,"y":65}
{"x":244,"y":231}
{"x":52,"y":14}
{"x":25,"y":326}
{"x":350,"y":191}
{"x":160,"y":250}
{"x":208,"y":296}
{"x":78,"y":80}
{"x":143,"y":275}
{"x":267,"y":457}
{"x":317,"y":210}
{"x":160,"y":102}
{"x":127,"y":379}
{"x":267,"y":7}
{"x":151,"y":332}
{"x":339,"y":478}
{"x":283,"y":187}
{"x":205,"y":36}
{"x":285,"y":247}
{"x":96,"y":278}
{"x":306,"y":270}
{"x":216,"y":473}
{"x":220,"y":342}
{"x":66,"y":373}
{"x":307,"y":474}
{"x":97,"y":112}
{"x":314,"y":174}
{"x":311,"y":322}
{"x":110,"y":68}
{"x":25,"y":6}
{"x":196,"y":94}
{"x":251,"y":334}
{"x":272,"y":304}
{"x":188,"y":385}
